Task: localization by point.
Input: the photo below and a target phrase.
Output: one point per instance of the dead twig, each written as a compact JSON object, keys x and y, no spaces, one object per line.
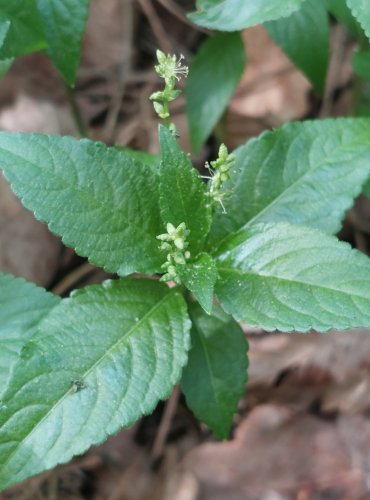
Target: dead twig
{"x":110,"y":127}
{"x":165,"y":425}
{"x":156,"y":25}
{"x":80,"y":125}
{"x":180,"y":14}
{"x":339,"y":43}
{"x":72,"y":278}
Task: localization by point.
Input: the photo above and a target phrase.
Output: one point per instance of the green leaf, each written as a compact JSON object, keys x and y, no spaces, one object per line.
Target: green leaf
{"x":25,"y":33}
{"x":304,"y":37}
{"x":149,"y":159}
{"x":235,"y":15}
{"x":6,"y":63}
{"x":366,"y":189}
{"x":64,"y":24}
{"x":340,"y":10}
{"x":22,"y":306}
{"x":304,"y":173}
{"x":200,"y":277}
{"x":213,"y":76}
{"x":4,"y":28}
{"x":214,"y":379}
{"x":360,"y":10}
{"x":101,"y":201}
{"x":99,"y":361}
{"x":183,"y":195}
{"x":287,"y":277}
{"x":5,"y":66}
{"x":361,"y":64}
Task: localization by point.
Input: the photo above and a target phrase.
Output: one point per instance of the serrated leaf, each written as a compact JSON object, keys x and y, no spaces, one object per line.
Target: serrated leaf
{"x":99,"y":361}
{"x":304,"y":37}
{"x":64,"y":24}
{"x":340,"y":10}
{"x":100,"y":200}
{"x":25,"y":33}
{"x":213,"y":76}
{"x":149,"y":159}
{"x":360,"y":10}
{"x":303,"y":173}
{"x":288,"y":277}
{"x":200,"y":277}
{"x":214,"y":379}
{"x":183,"y":195}
{"x":235,"y":15}
{"x":22,"y":306}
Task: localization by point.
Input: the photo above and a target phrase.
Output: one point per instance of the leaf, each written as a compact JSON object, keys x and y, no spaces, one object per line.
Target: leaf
{"x":25,"y":32}
{"x":304,"y":173}
{"x":6,"y":63}
{"x":4,"y":28}
{"x":340,"y":10}
{"x":99,"y":361}
{"x":100,"y":200}
{"x":183,"y":195}
{"x":5,"y":66}
{"x":149,"y":159}
{"x":287,"y":277}
{"x":64,"y":24}
{"x":360,"y":10}
{"x":361,"y":64}
{"x":214,"y":379}
{"x":200,"y":277}
{"x":22,"y":306}
{"x":235,"y":15}
{"x":214,"y":74}
{"x":304,"y":37}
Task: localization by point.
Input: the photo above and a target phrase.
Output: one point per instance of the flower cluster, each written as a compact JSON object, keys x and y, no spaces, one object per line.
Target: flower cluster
{"x":169,"y":68}
{"x":174,"y":242}
{"x":220,"y":173}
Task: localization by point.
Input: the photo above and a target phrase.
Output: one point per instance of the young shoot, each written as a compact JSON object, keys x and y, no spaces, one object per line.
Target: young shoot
{"x":174,"y":242}
{"x":219,"y":170}
{"x":171,"y":69}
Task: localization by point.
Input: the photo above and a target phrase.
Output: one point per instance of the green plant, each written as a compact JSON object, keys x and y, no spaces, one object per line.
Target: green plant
{"x":258,"y":236}
{"x":55,"y":26}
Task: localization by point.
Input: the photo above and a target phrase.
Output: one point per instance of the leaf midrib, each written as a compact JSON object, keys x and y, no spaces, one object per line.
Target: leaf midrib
{"x":209,"y":366}
{"x":216,"y":12}
{"x":300,"y":180}
{"x":254,"y":219}
{"x":288,"y":280}
{"x":100,"y":360}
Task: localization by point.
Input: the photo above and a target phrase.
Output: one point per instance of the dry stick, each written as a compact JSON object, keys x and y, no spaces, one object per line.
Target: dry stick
{"x":180,"y":14}
{"x":80,"y":125}
{"x":126,"y":15}
{"x":338,"y":50}
{"x":156,"y":25}
{"x":164,"y":427}
{"x":175,"y":10}
{"x":128,"y":478}
{"x":53,"y":483}
{"x":72,"y":278}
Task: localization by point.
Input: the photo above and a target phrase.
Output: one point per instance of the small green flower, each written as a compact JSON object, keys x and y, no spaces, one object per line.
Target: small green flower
{"x":220,"y":173}
{"x":175,"y":244}
{"x":170,"y":68}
